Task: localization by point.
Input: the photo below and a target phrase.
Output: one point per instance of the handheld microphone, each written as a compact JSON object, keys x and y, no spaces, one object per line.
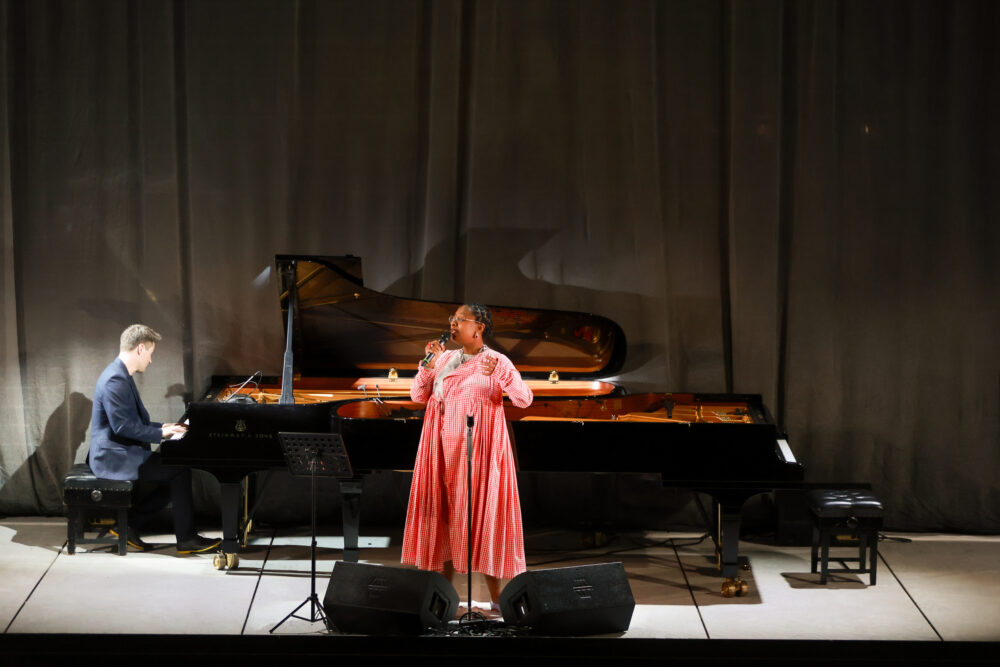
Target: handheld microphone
{"x":443,"y":338}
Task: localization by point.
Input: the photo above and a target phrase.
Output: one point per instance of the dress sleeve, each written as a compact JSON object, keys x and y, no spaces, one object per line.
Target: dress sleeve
{"x":510,"y":381}
{"x":423,"y":383}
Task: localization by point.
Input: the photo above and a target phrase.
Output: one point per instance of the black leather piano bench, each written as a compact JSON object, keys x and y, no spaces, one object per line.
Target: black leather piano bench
{"x":845,"y":517}
{"x":86,"y":495}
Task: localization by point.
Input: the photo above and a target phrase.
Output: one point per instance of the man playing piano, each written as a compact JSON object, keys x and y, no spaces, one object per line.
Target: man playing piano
{"x":120,"y":437}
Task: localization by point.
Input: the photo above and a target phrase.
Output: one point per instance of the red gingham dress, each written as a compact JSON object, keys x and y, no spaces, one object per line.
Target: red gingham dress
{"x":436,"y":528}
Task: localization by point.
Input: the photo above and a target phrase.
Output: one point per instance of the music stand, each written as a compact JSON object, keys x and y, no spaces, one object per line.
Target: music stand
{"x":314,"y":455}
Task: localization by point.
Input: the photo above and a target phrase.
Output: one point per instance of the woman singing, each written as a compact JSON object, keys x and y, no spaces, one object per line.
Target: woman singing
{"x":456,"y":383}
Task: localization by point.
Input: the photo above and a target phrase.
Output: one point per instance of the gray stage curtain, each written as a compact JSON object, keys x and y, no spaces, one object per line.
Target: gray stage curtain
{"x":785,"y":198}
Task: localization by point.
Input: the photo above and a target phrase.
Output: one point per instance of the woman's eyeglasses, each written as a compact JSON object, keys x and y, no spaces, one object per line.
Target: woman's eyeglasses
{"x":452,"y":319}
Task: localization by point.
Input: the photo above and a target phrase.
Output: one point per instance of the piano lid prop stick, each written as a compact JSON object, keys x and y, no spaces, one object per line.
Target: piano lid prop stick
{"x":287,"y":397}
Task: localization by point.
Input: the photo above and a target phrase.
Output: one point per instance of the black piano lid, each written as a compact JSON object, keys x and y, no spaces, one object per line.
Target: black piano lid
{"x":344,"y":329}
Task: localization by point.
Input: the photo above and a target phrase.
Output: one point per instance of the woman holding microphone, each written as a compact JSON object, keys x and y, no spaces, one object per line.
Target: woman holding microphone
{"x":454,"y":384}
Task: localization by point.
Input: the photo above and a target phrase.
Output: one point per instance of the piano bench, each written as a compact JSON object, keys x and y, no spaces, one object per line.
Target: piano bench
{"x":854,"y":514}
{"x":85,"y":494}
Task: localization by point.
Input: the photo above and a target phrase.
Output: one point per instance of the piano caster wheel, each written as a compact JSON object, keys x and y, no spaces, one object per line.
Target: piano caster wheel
{"x":222,"y":561}
{"x":734,"y":588}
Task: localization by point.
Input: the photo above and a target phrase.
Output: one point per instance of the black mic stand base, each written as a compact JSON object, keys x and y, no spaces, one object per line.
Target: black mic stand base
{"x":472,"y":620}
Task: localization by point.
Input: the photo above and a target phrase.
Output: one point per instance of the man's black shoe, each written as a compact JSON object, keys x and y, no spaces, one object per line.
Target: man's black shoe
{"x":132,"y":538}
{"x":198,"y":545}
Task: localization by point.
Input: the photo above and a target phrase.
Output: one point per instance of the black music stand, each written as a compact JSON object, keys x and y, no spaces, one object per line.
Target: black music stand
{"x":314,"y":455}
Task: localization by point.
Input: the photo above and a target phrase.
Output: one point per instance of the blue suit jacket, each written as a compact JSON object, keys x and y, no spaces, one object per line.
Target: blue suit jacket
{"x":120,"y":429}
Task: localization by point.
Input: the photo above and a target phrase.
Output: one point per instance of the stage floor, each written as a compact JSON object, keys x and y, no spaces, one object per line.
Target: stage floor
{"x":931,"y":589}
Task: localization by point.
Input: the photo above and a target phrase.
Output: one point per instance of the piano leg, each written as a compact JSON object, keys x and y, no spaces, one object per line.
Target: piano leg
{"x":728,"y":548}
{"x":350,"y":494}
{"x":232,"y":493}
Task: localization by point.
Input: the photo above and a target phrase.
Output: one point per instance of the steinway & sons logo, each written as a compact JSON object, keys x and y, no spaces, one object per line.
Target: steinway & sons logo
{"x":240,"y":431}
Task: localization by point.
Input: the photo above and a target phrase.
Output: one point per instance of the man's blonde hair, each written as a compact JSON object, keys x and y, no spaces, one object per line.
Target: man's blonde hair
{"x":136,"y":334}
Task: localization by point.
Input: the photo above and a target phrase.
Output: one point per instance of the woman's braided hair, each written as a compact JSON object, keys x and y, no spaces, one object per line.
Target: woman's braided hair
{"x":483,"y":316}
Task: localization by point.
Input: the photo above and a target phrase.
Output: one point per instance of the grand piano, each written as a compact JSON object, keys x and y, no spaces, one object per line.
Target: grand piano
{"x":355,"y":352}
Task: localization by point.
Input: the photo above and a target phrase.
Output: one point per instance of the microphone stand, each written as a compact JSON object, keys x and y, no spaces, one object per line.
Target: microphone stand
{"x":470,"y":617}
{"x":238,"y":389}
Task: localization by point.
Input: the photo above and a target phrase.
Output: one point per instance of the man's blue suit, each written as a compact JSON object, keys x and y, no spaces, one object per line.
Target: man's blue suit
{"x":120,"y":429}
{"x":120,"y":437}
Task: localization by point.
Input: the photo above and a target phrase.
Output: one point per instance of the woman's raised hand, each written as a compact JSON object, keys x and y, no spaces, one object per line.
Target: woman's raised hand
{"x":487,"y":364}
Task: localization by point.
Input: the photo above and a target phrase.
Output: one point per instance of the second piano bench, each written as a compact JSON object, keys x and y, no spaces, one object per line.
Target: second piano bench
{"x":854,"y":512}
{"x":85,"y":493}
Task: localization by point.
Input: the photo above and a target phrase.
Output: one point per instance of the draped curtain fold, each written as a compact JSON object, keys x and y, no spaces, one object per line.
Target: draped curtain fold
{"x":785,"y":198}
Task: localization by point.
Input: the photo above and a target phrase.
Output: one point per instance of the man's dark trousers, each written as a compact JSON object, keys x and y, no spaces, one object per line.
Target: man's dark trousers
{"x":169,"y":484}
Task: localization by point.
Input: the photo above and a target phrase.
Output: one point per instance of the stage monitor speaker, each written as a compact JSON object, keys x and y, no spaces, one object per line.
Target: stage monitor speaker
{"x":373,"y":599}
{"x":582,"y":600}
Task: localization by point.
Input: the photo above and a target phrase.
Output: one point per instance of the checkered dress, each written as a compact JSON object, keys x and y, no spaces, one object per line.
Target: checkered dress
{"x":436,"y":528}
